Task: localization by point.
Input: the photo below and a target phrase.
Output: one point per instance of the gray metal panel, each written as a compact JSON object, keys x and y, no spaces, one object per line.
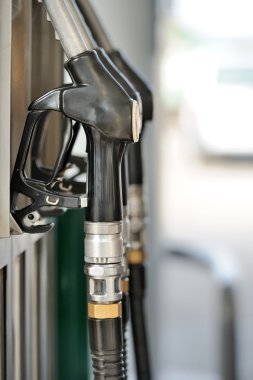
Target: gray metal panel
{"x":5,"y":70}
{"x":37,"y":323}
{"x":5,"y":253}
{"x":29,"y":285}
{"x":19,"y":316}
{"x":25,"y":317}
{"x":5,"y":308}
{"x":48,"y":246}
{"x":35,"y":311}
{"x":8,"y":311}
{"x":43,"y":312}
{"x":21,"y":65}
{"x":2,"y":324}
{"x":26,"y":284}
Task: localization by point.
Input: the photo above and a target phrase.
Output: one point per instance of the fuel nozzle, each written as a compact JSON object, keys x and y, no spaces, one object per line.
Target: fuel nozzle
{"x":111,"y":120}
{"x":134,"y":208}
{"x":103,"y":226}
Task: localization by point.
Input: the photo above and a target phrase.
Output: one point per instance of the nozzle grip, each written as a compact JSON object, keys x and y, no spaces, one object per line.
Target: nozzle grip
{"x":104,"y":177}
{"x":41,"y":193}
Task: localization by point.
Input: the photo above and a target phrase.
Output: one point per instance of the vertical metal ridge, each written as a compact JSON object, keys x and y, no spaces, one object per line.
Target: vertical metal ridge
{"x":5,"y":80}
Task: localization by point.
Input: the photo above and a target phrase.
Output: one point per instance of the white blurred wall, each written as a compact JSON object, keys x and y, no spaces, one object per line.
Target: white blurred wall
{"x":202,"y":202}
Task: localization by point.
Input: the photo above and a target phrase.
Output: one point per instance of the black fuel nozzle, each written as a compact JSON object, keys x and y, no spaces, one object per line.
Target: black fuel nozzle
{"x":132,"y":75}
{"x":112,"y":118}
{"x":93,"y":100}
{"x":118,"y":122}
{"x":67,"y":160}
{"x":44,"y":192}
{"x":134,"y":151}
{"x":132,"y":189}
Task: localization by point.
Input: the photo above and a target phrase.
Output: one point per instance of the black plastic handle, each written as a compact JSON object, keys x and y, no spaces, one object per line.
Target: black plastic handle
{"x":104,"y":178}
{"x":41,"y":193}
{"x":98,"y":99}
{"x":106,"y":143}
{"x":136,"y":294}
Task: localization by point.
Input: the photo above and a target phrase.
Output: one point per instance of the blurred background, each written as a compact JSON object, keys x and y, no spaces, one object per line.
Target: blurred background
{"x":205,"y":203}
{"x":198,"y":57}
{"x":203,"y":189}
{"x":198,"y":152}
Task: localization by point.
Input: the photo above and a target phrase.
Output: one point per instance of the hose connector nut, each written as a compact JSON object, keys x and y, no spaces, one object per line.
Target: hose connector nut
{"x":104,"y":282}
{"x":104,"y":311}
{"x":103,"y":243}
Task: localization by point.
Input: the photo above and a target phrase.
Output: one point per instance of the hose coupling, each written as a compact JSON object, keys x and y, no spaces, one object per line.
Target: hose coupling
{"x":104,"y":282}
{"x":103,"y":243}
{"x":103,"y":261}
{"x":104,"y":311}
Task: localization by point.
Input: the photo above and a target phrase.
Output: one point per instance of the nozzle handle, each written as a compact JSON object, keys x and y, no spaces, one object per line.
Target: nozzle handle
{"x":40,"y":192}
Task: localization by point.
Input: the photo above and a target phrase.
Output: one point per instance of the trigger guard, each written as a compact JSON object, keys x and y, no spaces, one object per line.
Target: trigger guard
{"x":36,"y":190}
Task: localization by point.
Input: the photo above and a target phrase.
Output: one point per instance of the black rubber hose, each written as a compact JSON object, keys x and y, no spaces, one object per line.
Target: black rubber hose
{"x":124,"y":177}
{"x":135,"y":164}
{"x":125,"y":320}
{"x":125,"y":296}
{"x":106,"y":348}
{"x":136,"y":293}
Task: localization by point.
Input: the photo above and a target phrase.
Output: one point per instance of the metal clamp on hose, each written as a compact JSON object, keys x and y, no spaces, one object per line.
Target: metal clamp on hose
{"x":103,"y":257}
{"x":103,"y":243}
